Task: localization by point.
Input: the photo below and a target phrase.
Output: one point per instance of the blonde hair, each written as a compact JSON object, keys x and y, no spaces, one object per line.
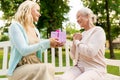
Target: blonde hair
{"x":23,"y":14}
{"x":86,"y":12}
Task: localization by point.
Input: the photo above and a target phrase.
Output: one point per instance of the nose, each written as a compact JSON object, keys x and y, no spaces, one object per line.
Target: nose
{"x":39,"y":14}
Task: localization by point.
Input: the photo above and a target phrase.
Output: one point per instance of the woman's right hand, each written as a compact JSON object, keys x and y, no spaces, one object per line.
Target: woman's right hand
{"x":54,"y":42}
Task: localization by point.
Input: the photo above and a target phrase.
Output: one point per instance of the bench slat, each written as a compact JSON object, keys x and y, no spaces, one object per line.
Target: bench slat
{"x":5,"y":58}
{"x":67,"y":55}
{"x":53,"y":56}
{"x":60,"y":56}
{"x":113,"y":62}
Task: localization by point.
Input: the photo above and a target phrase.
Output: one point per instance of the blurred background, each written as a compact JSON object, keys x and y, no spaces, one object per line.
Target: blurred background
{"x":61,"y":14}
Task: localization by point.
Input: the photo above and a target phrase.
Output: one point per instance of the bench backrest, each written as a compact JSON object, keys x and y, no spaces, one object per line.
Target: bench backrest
{"x":62,"y":61}
{"x":4,"y":47}
{"x":55,"y":60}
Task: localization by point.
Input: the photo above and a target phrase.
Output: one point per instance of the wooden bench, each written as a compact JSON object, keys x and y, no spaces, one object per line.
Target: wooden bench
{"x":62,"y":64}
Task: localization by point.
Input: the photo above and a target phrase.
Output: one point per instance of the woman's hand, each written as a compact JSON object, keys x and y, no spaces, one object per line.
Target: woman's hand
{"x":77,"y":36}
{"x":61,"y":44}
{"x":55,"y":43}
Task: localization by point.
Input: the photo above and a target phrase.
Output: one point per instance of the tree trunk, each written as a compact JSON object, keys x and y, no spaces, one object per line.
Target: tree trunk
{"x":109,"y":31}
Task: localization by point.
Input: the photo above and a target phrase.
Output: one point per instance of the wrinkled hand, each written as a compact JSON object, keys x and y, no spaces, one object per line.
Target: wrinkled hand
{"x":61,"y":44}
{"x":77,"y":36}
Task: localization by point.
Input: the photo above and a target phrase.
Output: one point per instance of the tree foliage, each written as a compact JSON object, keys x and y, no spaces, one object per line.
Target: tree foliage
{"x":70,"y":30}
{"x":108,"y":12}
{"x":9,"y":8}
{"x":52,"y":15}
{"x":52,"y":12}
{"x":98,"y":7}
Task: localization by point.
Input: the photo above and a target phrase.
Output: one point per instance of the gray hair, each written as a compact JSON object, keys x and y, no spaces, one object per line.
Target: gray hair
{"x":86,"y":12}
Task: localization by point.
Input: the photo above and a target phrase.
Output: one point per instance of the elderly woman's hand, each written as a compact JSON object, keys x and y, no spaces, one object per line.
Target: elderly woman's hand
{"x":77,"y":36}
{"x":61,"y":44}
{"x":54,"y":42}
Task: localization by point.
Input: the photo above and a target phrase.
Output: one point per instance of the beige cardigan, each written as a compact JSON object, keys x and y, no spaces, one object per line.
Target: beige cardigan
{"x":90,"y":50}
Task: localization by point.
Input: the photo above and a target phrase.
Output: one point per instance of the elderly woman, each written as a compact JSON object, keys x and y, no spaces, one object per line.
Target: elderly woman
{"x":87,"y":50}
{"x":26,"y":51}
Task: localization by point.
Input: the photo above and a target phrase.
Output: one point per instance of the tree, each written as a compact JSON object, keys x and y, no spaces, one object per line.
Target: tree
{"x":53,"y":14}
{"x":108,"y":13}
{"x":9,"y":8}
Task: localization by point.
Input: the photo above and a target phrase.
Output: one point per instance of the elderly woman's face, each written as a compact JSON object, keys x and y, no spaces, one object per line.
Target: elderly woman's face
{"x":82,"y":20}
{"x":35,"y":11}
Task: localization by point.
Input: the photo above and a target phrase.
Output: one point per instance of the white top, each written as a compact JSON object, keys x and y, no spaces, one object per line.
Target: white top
{"x":89,"y":52}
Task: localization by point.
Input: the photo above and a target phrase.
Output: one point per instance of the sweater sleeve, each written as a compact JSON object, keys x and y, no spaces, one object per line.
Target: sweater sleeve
{"x":38,"y":34}
{"x":72,"y":51}
{"x":17,"y":37}
{"x":95,"y":42}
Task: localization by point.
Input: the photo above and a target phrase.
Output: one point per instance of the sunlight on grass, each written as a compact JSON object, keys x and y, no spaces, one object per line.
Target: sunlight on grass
{"x":113,"y":70}
{"x":1,"y":58}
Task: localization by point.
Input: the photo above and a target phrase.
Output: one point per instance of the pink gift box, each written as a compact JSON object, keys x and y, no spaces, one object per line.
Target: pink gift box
{"x":60,"y":35}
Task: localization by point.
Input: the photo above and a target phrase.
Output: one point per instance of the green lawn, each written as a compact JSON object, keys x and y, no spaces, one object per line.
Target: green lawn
{"x":111,"y":69}
{"x":116,"y":51}
{"x":1,"y":58}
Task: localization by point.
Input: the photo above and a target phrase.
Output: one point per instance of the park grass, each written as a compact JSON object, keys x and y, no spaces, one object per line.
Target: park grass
{"x":110,"y":69}
{"x":1,"y":58}
{"x":113,"y":69}
{"x":116,"y":51}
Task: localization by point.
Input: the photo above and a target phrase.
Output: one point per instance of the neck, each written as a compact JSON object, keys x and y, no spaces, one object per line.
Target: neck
{"x":89,"y":27}
{"x":30,"y":26}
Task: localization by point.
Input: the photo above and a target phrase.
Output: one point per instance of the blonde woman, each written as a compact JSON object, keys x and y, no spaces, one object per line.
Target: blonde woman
{"x":25,"y":58}
{"x":88,"y":50}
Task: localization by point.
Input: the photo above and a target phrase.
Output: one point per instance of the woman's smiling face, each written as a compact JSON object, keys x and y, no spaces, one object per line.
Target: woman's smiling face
{"x":35,"y":11}
{"x":82,"y":20}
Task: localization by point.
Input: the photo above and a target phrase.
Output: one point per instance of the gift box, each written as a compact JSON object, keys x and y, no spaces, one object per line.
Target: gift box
{"x":59,"y":34}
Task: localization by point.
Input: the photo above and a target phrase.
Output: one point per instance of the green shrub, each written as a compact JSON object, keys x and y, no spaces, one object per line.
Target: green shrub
{"x":4,"y":38}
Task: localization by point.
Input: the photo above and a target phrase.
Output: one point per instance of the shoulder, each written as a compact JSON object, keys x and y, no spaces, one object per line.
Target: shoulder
{"x":98,"y":28}
{"x":15,"y":25}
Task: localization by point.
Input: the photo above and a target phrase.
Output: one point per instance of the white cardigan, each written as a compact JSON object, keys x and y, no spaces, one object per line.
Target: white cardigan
{"x":89,"y":52}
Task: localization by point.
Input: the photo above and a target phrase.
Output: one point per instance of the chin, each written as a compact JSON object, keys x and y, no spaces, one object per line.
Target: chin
{"x":35,"y":20}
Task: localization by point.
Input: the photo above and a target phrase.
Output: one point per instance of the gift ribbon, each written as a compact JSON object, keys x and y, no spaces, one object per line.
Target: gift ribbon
{"x":58,"y":33}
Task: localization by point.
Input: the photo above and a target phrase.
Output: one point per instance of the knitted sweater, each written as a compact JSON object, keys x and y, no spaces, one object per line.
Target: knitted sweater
{"x":89,"y":52}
